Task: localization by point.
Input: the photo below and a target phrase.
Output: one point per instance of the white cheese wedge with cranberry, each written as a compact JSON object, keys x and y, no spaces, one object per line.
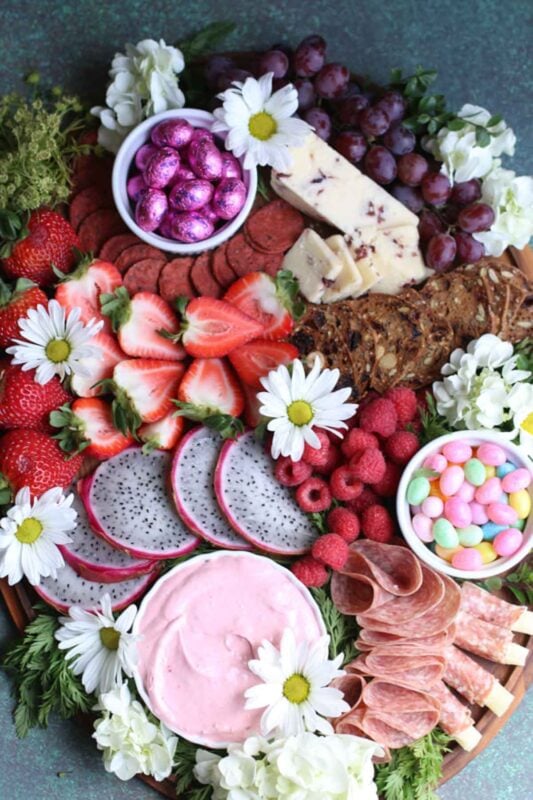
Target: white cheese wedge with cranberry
{"x":314,"y":264}
{"x":349,"y":281}
{"x":398,"y":260}
{"x":364,"y":261}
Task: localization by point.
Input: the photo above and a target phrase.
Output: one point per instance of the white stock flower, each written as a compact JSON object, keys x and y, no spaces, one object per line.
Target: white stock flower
{"x":521,"y":404}
{"x":131,"y":743}
{"x":511,"y":199}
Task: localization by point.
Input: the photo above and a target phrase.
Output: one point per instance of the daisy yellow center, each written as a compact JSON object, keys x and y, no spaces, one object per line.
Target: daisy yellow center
{"x":110,"y":638}
{"x":296,"y":689}
{"x":262,"y":126}
{"x":29,"y":531}
{"x":57,"y":350}
{"x":527,"y":424}
{"x":300,"y":412}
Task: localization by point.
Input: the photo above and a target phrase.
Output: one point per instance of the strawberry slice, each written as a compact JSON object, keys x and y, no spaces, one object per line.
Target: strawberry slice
{"x":254,"y":360}
{"x":163,"y":434}
{"x":273,"y":303}
{"x":83,"y":287}
{"x":210,"y":393}
{"x":139,"y":321}
{"x":99,"y":368}
{"x":87,"y":426}
{"x":252,"y":417}
{"x":144,"y":389}
{"x":212,"y":328}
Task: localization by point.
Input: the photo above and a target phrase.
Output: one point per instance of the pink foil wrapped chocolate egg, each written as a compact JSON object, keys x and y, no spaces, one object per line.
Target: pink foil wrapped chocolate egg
{"x":182,"y":173}
{"x":202,"y":133}
{"x":136,"y":187}
{"x":229,"y":198}
{"x":143,"y":155}
{"x":150,"y":209}
{"x":204,"y":159}
{"x":172,"y":133}
{"x":210,"y":213}
{"x":191,"y":195}
{"x":161,"y":167}
{"x":190,"y":227}
{"x":230,"y":166}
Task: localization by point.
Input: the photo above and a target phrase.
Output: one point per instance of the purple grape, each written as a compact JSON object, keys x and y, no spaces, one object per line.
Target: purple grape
{"x":226,"y":79}
{"x":476,"y":218}
{"x":400,"y":140}
{"x":309,"y":56}
{"x":215,"y":67}
{"x":332,"y":80}
{"x":306,"y":93}
{"x":320,"y":121}
{"x":468,"y":249}
{"x":373,"y":121}
{"x":449,"y":214}
{"x":394,"y":105}
{"x":409,"y":196}
{"x":380,"y":165}
{"x":412,"y":168}
{"x":350,"y":90}
{"x":351,"y":144}
{"x":350,"y":109}
{"x":436,"y":188}
{"x":275,"y":61}
{"x":441,"y":252}
{"x":429,"y":225}
{"x":467,"y":192}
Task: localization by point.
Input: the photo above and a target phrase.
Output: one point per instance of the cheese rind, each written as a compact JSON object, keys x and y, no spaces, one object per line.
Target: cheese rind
{"x":349,"y":281}
{"x":313,"y":263}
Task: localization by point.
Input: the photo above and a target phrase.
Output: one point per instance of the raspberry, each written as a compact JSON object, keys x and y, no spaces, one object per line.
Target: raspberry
{"x":377,"y":524}
{"x":291,"y":473}
{"x":344,"y":485}
{"x":387,"y":486}
{"x":405,"y":403}
{"x":313,"y":495}
{"x":334,"y":457}
{"x":357,"y":440}
{"x":368,"y":466}
{"x":401,"y":446}
{"x":344,"y":522}
{"x":331,"y":550}
{"x":367,"y":498}
{"x":379,"y":417}
{"x":309,"y":571}
{"x":317,"y":456}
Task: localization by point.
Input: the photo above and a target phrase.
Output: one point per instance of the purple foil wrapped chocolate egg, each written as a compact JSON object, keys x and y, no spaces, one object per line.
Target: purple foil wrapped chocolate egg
{"x":200,"y":134}
{"x":191,"y":195}
{"x":172,"y":133}
{"x":190,"y":227}
{"x":150,"y":209}
{"x":205,"y":160}
{"x":136,"y":187}
{"x":182,"y":173}
{"x":210,"y":214}
{"x":165,"y":227}
{"x":229,"y":198}
{"x":143,"y":155}
{"x":161,"y":168}
{"x":231,"y":167}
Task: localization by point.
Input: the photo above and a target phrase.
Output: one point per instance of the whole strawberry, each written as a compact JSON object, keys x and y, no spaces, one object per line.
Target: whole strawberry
{"x":49,"y":242}
{"x":15,"y":302}
{"x":33,"y":459}
{"x":27,"y":404}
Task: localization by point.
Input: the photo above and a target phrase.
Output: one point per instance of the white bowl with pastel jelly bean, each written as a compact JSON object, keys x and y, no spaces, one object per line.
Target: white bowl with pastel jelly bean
{"x":464,"y":504}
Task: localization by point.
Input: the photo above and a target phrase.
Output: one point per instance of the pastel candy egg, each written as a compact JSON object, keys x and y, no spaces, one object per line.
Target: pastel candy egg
{"x":434,"y":491}
{"x":451,"y":480}
{"x":204,"y":159}
{"x":444,"y":533}
{"x":508,"y":541}
{"x":191,"y":226}
{"x":231,"y":167}
{"x":479,"y":513}
{"x":505,"y":469}
{"x":490,"y":492}
{"x":229,"y":198}
{"x":490,"y":472}
{"x":468,"y":559}
{"x":501,"y":514}
{"x":488,"y":553}
{"x":475,"y":472}
{"x":417,"y":491}
{"x":143,"y":155}
{"x":520,"y":524}
{"x":161,"y":168}
{"x":516,"y":480}
{"x":447,"y":553}
{"x":521,"y":502}
{"x":191,"y":195}
{"x":466,"y":492}
{"x":432,"y":507}
{"x":457,"y":512}
{"x":172,"y":133}
{"x":150,"y":210}
{"x":492,"y":455}
{"x":436,"y":461}
{"x":490,"y":529}
{"x":470,"y":536}
{"x":422,"y":526}
{"x":457,"y":452}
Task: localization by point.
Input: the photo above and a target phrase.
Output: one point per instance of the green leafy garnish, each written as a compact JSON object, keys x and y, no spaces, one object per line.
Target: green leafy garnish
{"x":519,"y":583}
{"x":524,"y":352}
{"x":433,"y":425}
{"x":426,"y":113}
{"x":342,"y":629}
{"x":288,"y":291}
{"x":195,"y":48}
{"x":205,"y":40}
{"x":186,"y":786}
{"x":414,"y":771}
{"x":263,"y":185}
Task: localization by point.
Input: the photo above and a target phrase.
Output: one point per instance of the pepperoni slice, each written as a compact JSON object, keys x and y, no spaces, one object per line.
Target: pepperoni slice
{"x":135,"y":253}
{"x":98,"y":227}
{"x":202,"y":278}
{"x":175,"y":279}
{"x":222,"y":270}
{"x":86,"y":201}
{"x":275,"y":227}
{"x":91,"y":170}
{"x":143,"y":276}
{"x":113,"y":247}
{"x":243,"y":259}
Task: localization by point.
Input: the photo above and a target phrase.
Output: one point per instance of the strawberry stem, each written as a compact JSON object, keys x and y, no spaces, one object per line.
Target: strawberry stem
{"x":116,"y":306}
{"x":71,"y":434}
{"x":288,"y":292}
{"x":229,"y":427}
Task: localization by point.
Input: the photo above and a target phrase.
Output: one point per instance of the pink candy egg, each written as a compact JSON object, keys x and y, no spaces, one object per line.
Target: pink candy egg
{"x":491,"y":454}
{"x":501,"y":514}
{"x":451,"y":480}
{"x":507,"y":542}
{"x":190,"y":226}
{"x":435,"y":461}
{"x":489,"y":492}
{"x":422,"y":526}
{"x":468,"y":559}
{"x":231,"y":167}
{"x":457,"y":512}
{"x":457,"y":452}
{"x":143,"y":155}
{"x":229,"y":198}
{"x":204,"y":159}
{"x":479,"y":513}
{"x":150,"y":209}
{"x":161,"y":168}
{"x":432,"y":507}
{"x":191,"y":195}
{"x":136,"y":187}
{"x":516,"y":480}
{"x":172,"y":133}
{"x":466,"y":492}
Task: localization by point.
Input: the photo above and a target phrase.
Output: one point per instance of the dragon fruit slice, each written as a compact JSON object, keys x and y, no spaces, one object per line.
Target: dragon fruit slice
{"x":193,"y":470}
{"x":257,"y":506}
{"x":94,"y":559}
{"x":129,"y":503}
{"x":68,"y":589}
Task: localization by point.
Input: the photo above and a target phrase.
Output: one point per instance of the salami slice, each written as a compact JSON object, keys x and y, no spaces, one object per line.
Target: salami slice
{"x":111,"y":250}
{"x":396,"y":569}
{"x":482,"y":638}
{"x":175,"y":279}
{"x":137,"y":252}
{"x":351,"y":723}
{"x":401,"y":729}
{"x":454,"y":715}
{"x":351,"y":685}
{"x":467,"y":677}
{"x":416,"y":670}
{"x":354,"y":589}
{"x":98,"y":227}
{"x":143,"y":276}
{"x":380,"y":694}
{"x":202,"y":277}
{"x":86,"y":201}
{"x":410,"y":606}
{"x":486,"y":606}
{"x":369,"y":639}
{"x":275,"y":227}
{"x":222,"y":270}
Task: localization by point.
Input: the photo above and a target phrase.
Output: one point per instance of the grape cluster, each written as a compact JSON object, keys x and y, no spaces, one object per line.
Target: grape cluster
{"x":367,"y":128}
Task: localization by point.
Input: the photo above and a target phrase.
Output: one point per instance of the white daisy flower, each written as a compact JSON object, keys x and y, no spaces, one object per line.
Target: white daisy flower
{"x":100,"y":647}
{"x":296,"y":404}
{"x":30,"y":533}
{"x":295,"y":691}
{"x":260,"y":125}
{"x":54,"y":342}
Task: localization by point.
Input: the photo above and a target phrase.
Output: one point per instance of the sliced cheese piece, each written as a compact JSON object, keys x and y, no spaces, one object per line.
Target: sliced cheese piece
{"x":324,"y":185}
{"x":398,"y":259}
{"x":364,"y":261}
{"x":468,"y":739}
{"x":524,"y":623}
{"x":498,"y":699}
{"x":314,"y":264}
{"x":515,"y":654}
{"x":349,"y":281}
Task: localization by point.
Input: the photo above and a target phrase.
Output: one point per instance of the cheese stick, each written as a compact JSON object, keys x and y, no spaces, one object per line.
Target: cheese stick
{"x":488,"y":641}
{"x":455,"y":718}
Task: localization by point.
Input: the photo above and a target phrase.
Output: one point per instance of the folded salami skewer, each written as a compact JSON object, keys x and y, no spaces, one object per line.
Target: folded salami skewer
{"x":486,"y":606}
{"x":488,"y":640}
{"x":474,"y":683}
{"x":455,"y":718}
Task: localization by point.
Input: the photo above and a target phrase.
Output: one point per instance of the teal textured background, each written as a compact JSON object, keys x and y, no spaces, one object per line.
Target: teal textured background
{"x":482,"y":50}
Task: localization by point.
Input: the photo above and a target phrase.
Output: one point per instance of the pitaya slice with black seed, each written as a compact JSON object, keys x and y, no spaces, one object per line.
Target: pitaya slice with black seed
{"x":256,"y":505}
{"x":128,"y":500}
{"x":193,"y":471}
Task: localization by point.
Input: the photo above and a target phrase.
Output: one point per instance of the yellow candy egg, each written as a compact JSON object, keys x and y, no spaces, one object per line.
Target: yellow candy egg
{"x":521,"y":502}
{"x":488,"y":553}
{"x":447,"y":553}
{"x":490,"y":472}
{"x":434,"y":491}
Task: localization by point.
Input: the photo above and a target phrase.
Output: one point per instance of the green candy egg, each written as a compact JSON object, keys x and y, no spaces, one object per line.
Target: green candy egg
{"x":520,"y":524}
{"x":444,"y":533}
{"x":475,"y":472}
{"x":470,"y":536}
{"x":417,"y":491}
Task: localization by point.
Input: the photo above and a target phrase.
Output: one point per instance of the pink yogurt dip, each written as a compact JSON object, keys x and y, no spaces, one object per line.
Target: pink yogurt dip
{"x":200,"y":625}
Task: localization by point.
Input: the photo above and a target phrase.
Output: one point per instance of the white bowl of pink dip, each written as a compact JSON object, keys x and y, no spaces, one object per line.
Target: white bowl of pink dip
{"x":199,"y":626}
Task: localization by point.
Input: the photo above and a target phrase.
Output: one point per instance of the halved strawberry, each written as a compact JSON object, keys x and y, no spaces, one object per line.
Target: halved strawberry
{"x":87,"y":426}
{"x":210,"y":393}
{"x":163,"y":434}
{"x":252,"y":417}
{"x":144,"y":389}
{"x":99,"y":367}
{"x":83,"y":287}
{"x":139,"y":321}
{"x":254,"y":360}
{"x":273,"y":303}
{"x":212,"y":328}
